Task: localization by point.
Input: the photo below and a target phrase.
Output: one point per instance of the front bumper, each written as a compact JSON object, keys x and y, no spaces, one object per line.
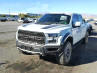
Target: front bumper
{"x":37,"y":49}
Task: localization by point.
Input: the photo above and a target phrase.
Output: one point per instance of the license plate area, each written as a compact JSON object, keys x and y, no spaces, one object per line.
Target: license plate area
{"x":29,"y":47}
{"x":26,"y":47}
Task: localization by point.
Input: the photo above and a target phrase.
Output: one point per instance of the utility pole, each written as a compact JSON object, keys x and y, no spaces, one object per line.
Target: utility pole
{"x":9,"y":11}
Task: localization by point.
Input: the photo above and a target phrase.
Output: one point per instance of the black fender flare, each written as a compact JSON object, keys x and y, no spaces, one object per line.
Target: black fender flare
{"x":66,"y":37}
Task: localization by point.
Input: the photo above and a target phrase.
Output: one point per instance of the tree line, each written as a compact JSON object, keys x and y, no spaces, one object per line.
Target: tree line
{"x":21,"y":16}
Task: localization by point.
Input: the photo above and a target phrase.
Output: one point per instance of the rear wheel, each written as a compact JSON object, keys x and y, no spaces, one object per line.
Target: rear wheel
{"x":65,"y":57}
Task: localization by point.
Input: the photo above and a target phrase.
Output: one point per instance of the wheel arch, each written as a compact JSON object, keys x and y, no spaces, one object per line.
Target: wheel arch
{"x":66,"y":38}
{"x":70,"y":39}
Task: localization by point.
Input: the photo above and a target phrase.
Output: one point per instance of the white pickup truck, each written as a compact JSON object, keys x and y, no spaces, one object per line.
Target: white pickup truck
{"x":53,"y":34}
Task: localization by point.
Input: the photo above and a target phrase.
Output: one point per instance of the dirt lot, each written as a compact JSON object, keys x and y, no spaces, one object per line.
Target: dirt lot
{"x":11,"y":61}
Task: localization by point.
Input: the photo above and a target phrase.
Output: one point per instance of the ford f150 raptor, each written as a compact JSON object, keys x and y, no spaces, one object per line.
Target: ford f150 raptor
{"x":53,"y":34}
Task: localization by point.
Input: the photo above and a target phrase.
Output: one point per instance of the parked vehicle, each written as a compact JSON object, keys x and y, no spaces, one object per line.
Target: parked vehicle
{"x":12,"y":19}
{"x":53,"y":34}
{"x":35,"y":20}
{"x":20,"y":19}
{"x":27,"y":20}
{"x":89,"y":20}
{"x":3,"y":19}
{"x":96,"y":23}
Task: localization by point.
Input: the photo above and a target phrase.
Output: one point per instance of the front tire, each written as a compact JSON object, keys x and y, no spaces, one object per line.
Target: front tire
{"x":65,"y":57}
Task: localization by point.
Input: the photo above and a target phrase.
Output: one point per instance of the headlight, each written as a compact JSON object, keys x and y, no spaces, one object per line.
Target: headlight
{"x":52,"y":38}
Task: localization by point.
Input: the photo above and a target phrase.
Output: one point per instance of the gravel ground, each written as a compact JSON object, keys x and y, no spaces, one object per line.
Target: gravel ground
{"x":12,"y":61}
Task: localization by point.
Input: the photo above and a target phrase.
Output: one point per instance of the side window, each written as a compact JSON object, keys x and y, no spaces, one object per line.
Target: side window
{"x":80,"y":18}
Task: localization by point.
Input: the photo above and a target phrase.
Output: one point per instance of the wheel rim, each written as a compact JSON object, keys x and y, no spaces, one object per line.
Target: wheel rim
{"x":67,"y":52}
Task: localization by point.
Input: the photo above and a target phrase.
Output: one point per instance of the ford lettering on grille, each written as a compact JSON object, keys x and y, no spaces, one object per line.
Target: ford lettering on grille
{"x":31,"y":37}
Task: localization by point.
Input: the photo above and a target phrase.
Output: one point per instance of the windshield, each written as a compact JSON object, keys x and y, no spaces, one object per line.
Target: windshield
{"x":54,"y":19}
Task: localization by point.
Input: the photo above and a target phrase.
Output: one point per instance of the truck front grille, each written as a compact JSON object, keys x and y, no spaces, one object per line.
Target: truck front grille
{"x":31,"y":37}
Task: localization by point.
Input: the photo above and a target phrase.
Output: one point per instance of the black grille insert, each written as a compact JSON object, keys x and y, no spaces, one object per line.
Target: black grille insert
{"x":31,"y":37}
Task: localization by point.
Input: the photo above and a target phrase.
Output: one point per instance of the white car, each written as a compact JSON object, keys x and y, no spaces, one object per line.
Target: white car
{"x":53,"y":34}
{"x":20,"y":20}
{"x":96,"y":23}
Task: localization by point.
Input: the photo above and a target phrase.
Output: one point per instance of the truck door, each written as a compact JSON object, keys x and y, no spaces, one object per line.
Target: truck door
{"x":76,"y":31}
{"x":82,"y":27}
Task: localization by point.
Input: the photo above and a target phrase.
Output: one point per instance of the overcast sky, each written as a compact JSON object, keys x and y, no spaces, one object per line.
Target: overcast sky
{"x":45,"y":6}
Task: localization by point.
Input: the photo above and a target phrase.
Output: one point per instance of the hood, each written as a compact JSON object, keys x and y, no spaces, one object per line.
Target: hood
{"x":53,"y":28}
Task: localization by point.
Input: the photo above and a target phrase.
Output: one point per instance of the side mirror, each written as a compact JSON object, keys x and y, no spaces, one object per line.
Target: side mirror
{"x":77,"y":24}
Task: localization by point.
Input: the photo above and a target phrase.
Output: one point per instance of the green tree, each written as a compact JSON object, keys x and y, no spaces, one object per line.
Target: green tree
{"x":3,"y":15}
{"x":12,"y":16}
{"x":25,"y":15}
{"x":22,"y":15}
